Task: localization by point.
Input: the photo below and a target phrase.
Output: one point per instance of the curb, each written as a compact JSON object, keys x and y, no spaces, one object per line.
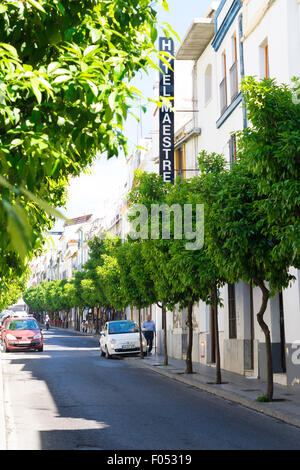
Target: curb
{"x":288,"y":419}
{"x":2,"y":416}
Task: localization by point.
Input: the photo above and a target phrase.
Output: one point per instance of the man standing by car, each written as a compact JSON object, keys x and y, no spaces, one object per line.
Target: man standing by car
{"x":149,"y":331}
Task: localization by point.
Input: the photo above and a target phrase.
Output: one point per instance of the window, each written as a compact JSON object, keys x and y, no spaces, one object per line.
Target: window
{"x":208,"y":84}
{"x":234,"y":70}
{"x":234,"y":48}
{"x":266,"y":54}
{"x":23,"y":325}
{"x":231,"y":311}
{"x":118,"y":328}
{"x":223,"y":85}
{"x":264,"y":59}
{"x":180,"y":161}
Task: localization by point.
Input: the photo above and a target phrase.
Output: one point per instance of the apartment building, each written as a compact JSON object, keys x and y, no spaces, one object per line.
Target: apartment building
{"x":237,"y":38}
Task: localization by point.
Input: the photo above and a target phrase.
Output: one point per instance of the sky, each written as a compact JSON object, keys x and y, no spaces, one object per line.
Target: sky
{"x":99,"y":190}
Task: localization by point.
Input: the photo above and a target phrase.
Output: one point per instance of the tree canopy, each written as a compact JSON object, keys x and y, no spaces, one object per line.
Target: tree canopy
{"x":65,"y":73}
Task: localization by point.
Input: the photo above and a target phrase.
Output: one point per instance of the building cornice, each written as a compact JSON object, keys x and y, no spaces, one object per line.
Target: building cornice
{"x":249,"y":27}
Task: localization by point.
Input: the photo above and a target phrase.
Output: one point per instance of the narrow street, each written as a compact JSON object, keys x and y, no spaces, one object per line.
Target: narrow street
{"x":68,"y":397}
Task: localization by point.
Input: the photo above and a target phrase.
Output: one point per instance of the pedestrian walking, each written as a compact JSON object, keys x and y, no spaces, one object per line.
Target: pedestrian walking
{"x":47,"y":322}
{"x":149,"y":332}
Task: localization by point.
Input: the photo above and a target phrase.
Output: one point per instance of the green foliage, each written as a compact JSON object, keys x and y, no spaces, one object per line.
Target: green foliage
{"x":52,"y":296}
{"x":179,"y":275}
{"x":238,"y":238}
{"x":11,"y":291}
{"x":150,"y":189}
{"x":263,"y":399}
{"x":271,"y":150}
{"x":103,"y":291}
{"x":65,"y":72}
{"x":135,"y":281}
{"x":108,"y":273}
{"x":34,"y":298}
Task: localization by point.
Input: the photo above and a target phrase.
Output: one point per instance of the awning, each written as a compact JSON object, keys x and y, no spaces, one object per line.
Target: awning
{"x":198,"y":37}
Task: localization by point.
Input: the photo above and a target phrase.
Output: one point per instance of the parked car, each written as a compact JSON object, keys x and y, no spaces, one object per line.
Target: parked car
{"x":20,"y":314}
{"x":120,"y":338}
{"x":21,"y":333}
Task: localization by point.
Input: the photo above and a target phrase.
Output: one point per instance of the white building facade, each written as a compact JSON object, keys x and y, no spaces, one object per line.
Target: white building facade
{"x":235,"y":39}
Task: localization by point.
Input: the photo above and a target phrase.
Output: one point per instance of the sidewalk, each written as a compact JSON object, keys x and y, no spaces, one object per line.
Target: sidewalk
{"x":235,"y":388}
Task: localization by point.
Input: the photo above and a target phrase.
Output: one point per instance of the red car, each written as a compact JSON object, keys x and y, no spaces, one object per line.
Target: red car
{"x":21,"y":333}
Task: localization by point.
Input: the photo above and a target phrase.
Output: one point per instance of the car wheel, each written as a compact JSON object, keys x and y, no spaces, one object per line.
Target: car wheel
{"x":5,"y":348}
{"x":107,"y":355}
{"x":102,"y":353}
{"x":40,"y":349}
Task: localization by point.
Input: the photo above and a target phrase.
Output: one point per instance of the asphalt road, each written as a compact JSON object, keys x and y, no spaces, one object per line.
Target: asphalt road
{"x":68,"y":398}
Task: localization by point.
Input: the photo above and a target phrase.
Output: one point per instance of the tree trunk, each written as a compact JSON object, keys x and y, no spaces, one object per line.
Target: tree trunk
{"x":266,"y":331}
{"x":141,"y":334}
{"x":189,"y":364}
{"x":103,"y":318}
{"x":93,"y":319}
{"x":217,"y":341}
{"x":80,"y":317}
{"x":97,"y":320}
{"x":166,"y":358}
{"x":164,"y":323}
{"x":164,"y":315}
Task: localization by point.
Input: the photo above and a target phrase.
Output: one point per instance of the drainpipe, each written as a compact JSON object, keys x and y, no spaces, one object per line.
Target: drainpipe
{"x":81,"y":248}
{"x":242,"y":66}
{"x":195,"y":109}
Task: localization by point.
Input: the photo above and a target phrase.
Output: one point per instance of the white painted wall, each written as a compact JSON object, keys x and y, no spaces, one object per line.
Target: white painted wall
{"x":281,"y":27}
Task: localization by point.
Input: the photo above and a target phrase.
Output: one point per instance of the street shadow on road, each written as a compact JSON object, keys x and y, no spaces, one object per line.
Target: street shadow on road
{"x":110,"y":404}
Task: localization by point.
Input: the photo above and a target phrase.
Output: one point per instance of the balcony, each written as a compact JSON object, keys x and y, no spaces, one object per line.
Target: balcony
{"x":223,"y":95}
{"x":234,"y":86}
{"x":198,"y":37}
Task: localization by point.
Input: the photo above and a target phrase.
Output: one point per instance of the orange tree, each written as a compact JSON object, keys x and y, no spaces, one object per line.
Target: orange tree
{"x":270,"y":148}
{"x":240,"y":243}
{"x":178,"y":263}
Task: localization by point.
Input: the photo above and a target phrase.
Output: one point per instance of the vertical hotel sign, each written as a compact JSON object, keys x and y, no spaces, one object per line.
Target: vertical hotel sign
{"x":166,"y":115}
